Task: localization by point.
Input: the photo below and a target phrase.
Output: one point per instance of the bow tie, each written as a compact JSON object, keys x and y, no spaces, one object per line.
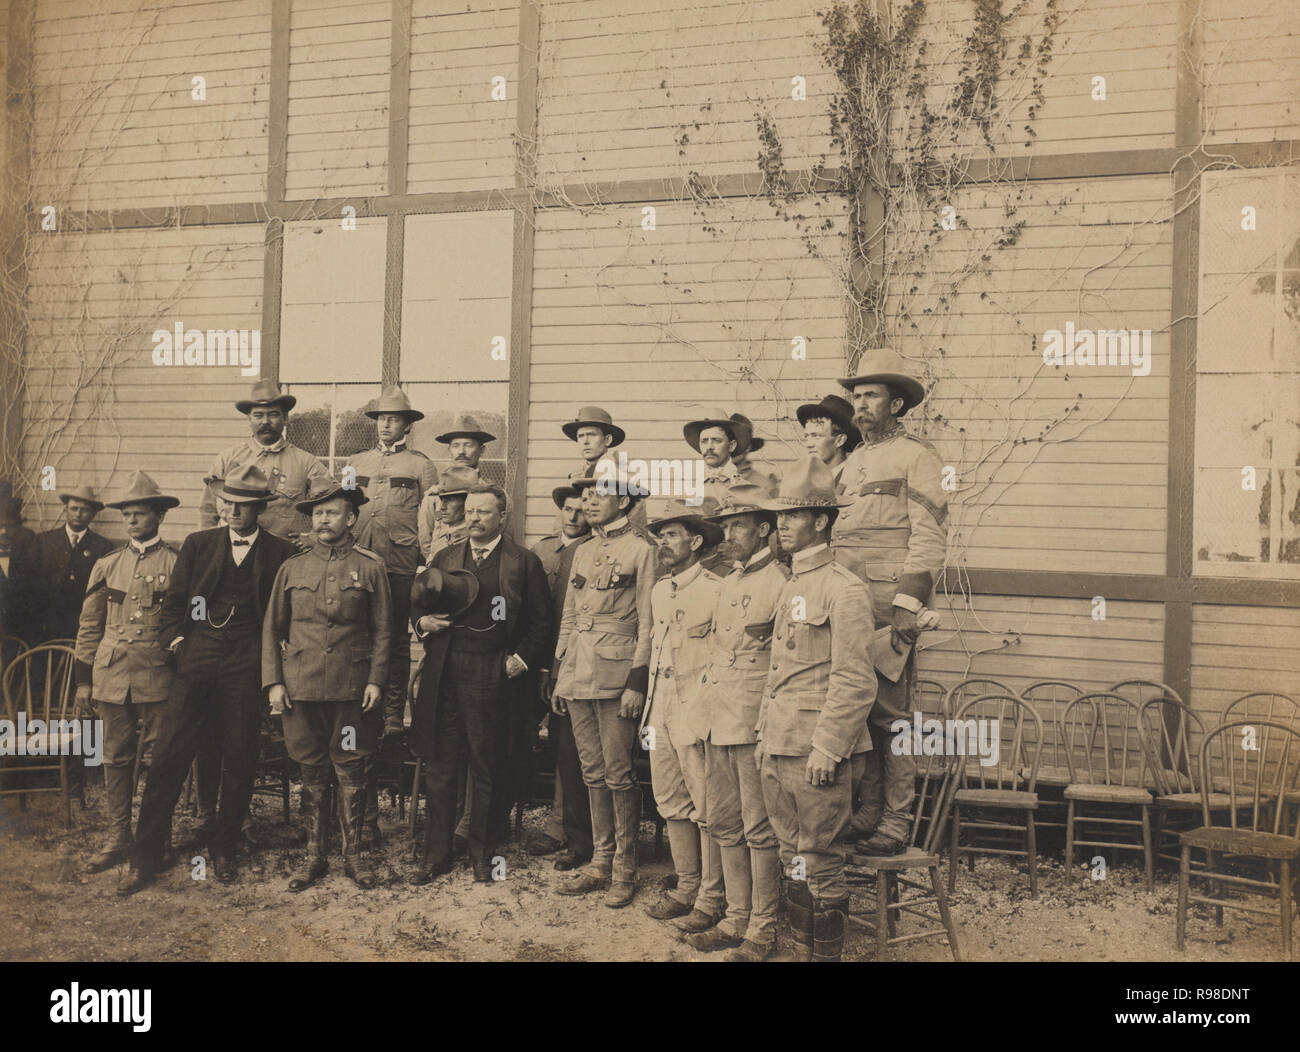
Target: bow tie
{"x":241,"y":544}
{"x":479,"y":555}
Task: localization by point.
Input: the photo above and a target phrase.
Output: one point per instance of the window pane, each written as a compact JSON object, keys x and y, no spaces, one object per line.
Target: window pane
{"x":323,"y":409}
{"x":440,"y":403}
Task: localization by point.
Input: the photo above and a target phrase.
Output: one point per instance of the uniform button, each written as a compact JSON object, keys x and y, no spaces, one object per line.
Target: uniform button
{"x":137,"y":631}
{"x":329,"y":650}
{"x":329,"y":624}
{"x":129,"y":642}
{"x":790,"y":645}
{"x":331,"y":577}
{"x":876,"y":490}
{"x":133,"y":597}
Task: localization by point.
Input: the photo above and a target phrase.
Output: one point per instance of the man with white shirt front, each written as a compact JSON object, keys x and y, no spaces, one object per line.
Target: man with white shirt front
{"x":64,"y":557}
{"x":212,"y":621}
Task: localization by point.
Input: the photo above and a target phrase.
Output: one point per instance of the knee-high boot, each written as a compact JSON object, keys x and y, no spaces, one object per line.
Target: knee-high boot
{"x":627,"y":827}
{"x":799,"y":912}
{"x":829,"y":919}
{"x":316,"y":864}
{"x":352,"y":806}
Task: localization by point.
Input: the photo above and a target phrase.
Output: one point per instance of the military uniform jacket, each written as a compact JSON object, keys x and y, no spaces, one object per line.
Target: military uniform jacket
{"x":821,"y":684}
{"x":895,"y":534}
{"x":557,"y":563}
{"x":718,"y":480}
{"x":396,"y":481}
{"x":740,"y":650}
{"x":604,"y":644}
{"x":332,"y":610}
{"x":64,"y":572}
{"x":683,"y":615}
{"x":119,"y":644}
{"x":289,"y":471}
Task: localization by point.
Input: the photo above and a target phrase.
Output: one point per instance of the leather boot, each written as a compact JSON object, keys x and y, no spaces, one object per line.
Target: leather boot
{"x":352,"y":808}
{"x":684,"y":846}
{"x":799,"y":912}
{"x":316,"y":864}
{"x":118,"y":785}
{"x":371,"y":837}
{"x":829,"y":919}
{"x":739,"y":889}
{"x":627,"y":827}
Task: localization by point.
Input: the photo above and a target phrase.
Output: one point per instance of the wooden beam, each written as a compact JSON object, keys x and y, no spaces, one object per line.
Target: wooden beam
{"x":272,"y":275}
{"x":399,"y":96}
{"x":394,"y":266}
{"x":277,"y":125}
{"x":14,"y":231}
{"x":1143,"y":588}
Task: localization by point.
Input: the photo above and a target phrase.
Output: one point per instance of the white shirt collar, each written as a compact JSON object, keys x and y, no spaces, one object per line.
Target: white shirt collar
{"x":250,"y":538}
{"x":141,"y":548}
{"x":396,"y":447}
{"x":74,"y":538}
{"x":274,"y":447}
{"x":486,"y":549}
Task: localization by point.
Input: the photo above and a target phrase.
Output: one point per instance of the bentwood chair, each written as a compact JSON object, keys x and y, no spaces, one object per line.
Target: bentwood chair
{"x":1048,"y":698}
{"x":1267,"y":843}
{"x":1268,"y":706}
{"x":38,"y":685}
{"x":990,"y":795}
{"x":935,"y":778}
{"x":1107,"y":753}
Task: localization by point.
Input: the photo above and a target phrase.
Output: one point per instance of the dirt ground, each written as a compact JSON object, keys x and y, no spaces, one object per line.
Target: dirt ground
{"x":50,"y":910}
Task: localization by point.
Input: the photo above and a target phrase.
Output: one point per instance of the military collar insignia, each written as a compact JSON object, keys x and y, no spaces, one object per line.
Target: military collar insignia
{"x":611,"y":530}
{"x":896,"y":430}
{"x":145,"y":549}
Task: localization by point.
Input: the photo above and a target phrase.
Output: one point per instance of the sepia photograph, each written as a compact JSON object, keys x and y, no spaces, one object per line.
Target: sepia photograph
{"x":674,"y":481}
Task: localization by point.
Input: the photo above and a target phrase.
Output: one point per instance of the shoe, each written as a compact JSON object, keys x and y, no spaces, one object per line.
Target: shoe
{"x":713,"y":940}
{"x":428,"y":874}
{"x":482,"y":873}
{"x":620,"y":894}
{"x":582,"y":883}
{"x":108,"y":858}
{"x":542,"y":844}
{"x":570,"y":859}
{"x":882,"y":844}
{"x":751,"y":952}
{"x":308,"y":874}
{"x":226,"y":869}
{"x":668,"y":908}
{"x":696,"y":921}
{"x":135,"y":879}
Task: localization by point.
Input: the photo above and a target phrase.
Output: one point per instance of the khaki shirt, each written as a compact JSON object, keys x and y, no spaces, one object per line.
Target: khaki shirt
{"x":396,"y":482}
{"x":605,"y":634}
{"x":821,"y":684}
{"x":288,"y":469}
{"x":332,"y":611}
{"x":119,"y":649}
{"x":718,"y":480}
{"x":683,"y":615}
{"x":740,"y":652}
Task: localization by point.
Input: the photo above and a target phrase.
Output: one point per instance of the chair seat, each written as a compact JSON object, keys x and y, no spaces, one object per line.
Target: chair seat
{"x":912,"y":858}
{"x":1108,"y":794}
{"x":1192,"y":801}
{"x":1243,"y":842}
{"x":997,"y":798}
{"x":1049,"y":775}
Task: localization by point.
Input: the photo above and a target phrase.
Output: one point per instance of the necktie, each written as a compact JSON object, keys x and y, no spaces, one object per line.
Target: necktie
{"x":241,"y":544}
{"x":479,"y":555}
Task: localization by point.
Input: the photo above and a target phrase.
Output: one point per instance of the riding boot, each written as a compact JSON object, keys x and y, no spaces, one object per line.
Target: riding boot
{"x":627,"y":827}
{"x":371,"y":836}
{"x":799,"y":912}
{"x":352,"y":806}
{"x":316,"y":865}
{"x":829,"y":918}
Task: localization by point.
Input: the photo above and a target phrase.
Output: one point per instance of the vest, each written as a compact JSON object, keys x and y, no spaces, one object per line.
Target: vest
{"x":234,"y":606}
{"x":475,"y":629}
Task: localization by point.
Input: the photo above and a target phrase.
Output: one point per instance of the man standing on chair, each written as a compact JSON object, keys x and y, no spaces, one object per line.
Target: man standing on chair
{"x":64,"y":557}
{"x":326,"y":640}
{"x":212,"y":619}
{"x":122,"y":661}
{"x":820,"y":689}
{"x":479,"y":666}
{"x":604,"y":660}
{"x":465,"y":443}
{"x":894,"y":536}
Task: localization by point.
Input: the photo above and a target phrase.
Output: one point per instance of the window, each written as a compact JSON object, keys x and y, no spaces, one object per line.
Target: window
{"x":1248,"y":376}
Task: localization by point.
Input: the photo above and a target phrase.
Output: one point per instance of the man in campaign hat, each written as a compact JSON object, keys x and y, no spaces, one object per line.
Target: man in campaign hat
{"x":448,"y":507}
{"x":829,"y":432}
{"x":465,"y":441}
{"x":289,"y":469}
{"x":326,"y":641}
{"x":595,"y":433}
{"x":63,"y":558}
{"x":813,"y":719}
{"x":212,"y":622}
{"x":682,"y":605}
{"x":730,"y":695}
{"x":719,"y":438}
{"x":122,"y":661}
{"x":894,"y":536}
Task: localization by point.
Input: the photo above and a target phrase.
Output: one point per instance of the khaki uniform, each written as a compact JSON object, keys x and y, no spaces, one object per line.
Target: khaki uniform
{"x":734,"y":682}
{"x":821,"y":687}
{"x":894,"y":537}
{"x":718,"y":480}
{"x":289,"y":470}
{"x":683,"y":616}
{"x":604,"y":649}
{"x":122,"y":657}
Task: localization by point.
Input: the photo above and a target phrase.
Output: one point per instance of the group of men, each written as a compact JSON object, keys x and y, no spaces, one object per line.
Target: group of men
{"x":732,"y":640}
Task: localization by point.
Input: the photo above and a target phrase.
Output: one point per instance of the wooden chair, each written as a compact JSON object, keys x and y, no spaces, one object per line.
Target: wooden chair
{"x":1271,"y":840}
{"x":274,"y":770}
{"x":1048,"y":698}
{"x":936,"y":776}
{"x":1000,"y":787}
{"x":38,"y":683}
{"x":1107,"y":752}
{"x":1267,"y":706}
{"x":930,"y":697}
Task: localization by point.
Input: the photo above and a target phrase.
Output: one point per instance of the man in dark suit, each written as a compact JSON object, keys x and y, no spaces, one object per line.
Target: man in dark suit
{"x":63,"y":557}
{"x":480,"y":667}
{"x":212,"y":621}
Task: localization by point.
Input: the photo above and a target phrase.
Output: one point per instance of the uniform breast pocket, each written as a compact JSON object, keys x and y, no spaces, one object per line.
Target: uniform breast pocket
{"x":698,"y":631}
{"x":812,"y":637}
{"x":354,"y":599}
{"x":760,"y":631}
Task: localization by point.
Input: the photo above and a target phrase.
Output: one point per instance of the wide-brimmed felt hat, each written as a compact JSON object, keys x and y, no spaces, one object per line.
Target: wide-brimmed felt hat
{"x":245,"y":485}
{"x":883,"y":365}
{"x":458,"y":481}
{"x":739,"y":429}
{"x":562,"y":493}
{"x":594,"y":416}
{"x":743,"y":498}
{"x":466,"y":426}
{"x":141,"y":489}
{"x":264,"y":393}
{"x":751,"y":443}
{"x":449,"y":593}
{"x":85,"y":493}
{"x":808,"y":484}
{"x":837,"y":410}
{"x":694,"y":518}
{"x":394,"y":400}
{"x":327,"y":488}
